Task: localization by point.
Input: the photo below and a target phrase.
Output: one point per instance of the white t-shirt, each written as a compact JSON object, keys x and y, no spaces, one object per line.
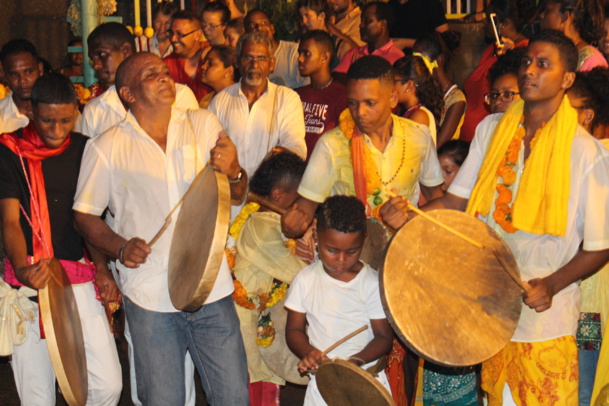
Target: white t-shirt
{"x":286,"y":71}
{"x":541,"y":255}
{"x":125,"y":170}
{"x":334,"y":309}
{"x":10,"y":118}
{"x":107,"y":110}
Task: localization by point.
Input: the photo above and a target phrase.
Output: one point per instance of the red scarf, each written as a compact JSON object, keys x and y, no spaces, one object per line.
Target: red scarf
{"x":33,"y":149}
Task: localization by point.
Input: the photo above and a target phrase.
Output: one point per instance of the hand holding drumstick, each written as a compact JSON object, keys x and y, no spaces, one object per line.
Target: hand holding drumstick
{"x":314,"y":357}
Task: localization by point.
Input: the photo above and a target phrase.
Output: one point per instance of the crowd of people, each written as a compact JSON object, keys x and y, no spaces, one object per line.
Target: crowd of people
{"x":356,"y":120}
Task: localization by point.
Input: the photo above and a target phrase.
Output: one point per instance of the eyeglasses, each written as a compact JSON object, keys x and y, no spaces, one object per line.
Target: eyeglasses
{"x":506,"y":96}
{"x":180,"y":35}
{"x":212,"y":26}
{"x":250,"y":59}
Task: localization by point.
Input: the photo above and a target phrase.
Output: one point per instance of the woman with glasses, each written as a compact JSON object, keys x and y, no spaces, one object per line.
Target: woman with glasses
{"x":504,"y":81}
{"x":219,"y":71}
{"x":214,"y":18}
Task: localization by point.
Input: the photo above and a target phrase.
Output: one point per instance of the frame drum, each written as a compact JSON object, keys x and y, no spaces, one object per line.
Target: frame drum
{"x":64,"y":337}
{"x":342,"y":383}
{"x":375,"y":243}
{"x":449,"y":301}
{"x":197,"y":245}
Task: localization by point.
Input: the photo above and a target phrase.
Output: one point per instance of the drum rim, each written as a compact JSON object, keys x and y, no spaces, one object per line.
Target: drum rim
{"x":216,"y":248}
{"x":46,"y":314}
{"x":362,"y":372}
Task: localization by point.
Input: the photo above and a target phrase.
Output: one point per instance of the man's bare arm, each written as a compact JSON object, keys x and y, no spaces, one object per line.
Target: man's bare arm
{"x":431,"y":192}
{"x":99,"y":235}
{"x":297,"y":220}
{"x":448,"y":201}
{"x":35,"y":276}
{"x":582,"y":265}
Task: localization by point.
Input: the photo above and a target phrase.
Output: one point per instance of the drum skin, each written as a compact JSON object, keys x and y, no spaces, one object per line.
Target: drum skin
{"x":199,"y":237}
{"x":449,"y":301}
{"x":64,"y":337}
{"x":342,"y":383}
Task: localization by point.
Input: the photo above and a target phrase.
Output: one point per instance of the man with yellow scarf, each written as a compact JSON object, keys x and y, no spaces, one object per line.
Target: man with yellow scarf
{"x":542,"y":182}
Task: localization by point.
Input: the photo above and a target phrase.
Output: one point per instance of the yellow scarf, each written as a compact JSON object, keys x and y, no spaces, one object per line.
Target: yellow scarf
{"x":541,"y":204}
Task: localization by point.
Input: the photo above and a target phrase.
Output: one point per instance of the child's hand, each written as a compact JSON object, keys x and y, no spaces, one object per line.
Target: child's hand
{"x":311,"y":360}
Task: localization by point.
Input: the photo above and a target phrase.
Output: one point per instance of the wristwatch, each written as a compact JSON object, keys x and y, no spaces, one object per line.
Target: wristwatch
{"x":238,"y":178}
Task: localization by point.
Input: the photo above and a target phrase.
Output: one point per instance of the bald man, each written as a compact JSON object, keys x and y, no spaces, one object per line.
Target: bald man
{"x":140,"y":169}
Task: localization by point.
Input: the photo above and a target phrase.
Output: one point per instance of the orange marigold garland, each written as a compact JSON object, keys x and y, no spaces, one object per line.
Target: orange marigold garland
{"x":503,"y":211}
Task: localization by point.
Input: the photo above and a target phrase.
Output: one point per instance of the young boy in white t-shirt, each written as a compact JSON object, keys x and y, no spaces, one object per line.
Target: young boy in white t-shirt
{"x":336,"y":295}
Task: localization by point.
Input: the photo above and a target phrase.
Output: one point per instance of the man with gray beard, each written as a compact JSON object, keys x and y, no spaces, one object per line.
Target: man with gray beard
{"x":257,"y":114}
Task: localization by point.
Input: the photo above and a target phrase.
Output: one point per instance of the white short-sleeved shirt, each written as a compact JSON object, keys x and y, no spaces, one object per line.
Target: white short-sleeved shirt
{"x":541,"y":255}
{"x":409,"y":158}
{"x":107,"y":110}
{"x":126,"y":171}
{"x":335,"y":308}
{"x":286,"y":71}
{"x":10,"y":118}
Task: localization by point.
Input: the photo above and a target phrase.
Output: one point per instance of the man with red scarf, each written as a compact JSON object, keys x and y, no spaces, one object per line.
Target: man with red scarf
{"x":39,"y":167}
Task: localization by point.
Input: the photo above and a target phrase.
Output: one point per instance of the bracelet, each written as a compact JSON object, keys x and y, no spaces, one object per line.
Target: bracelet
{"x":121,"y":251}
{"x":358,"y":359}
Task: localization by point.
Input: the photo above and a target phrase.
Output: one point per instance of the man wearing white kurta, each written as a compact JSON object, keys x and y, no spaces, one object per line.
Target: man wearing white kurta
{"x":257,"y":114}
{"x":140,"y":169}
{"x":552,"y":259}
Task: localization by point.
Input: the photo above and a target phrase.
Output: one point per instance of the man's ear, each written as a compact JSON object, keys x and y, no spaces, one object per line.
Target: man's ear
{"x":276,"y":194}
{"x":567,"y":80}
{"x":126,"y":95}
{"x":126,"y":50}
{"x":394,"y":98}
{"x":41,"y":68}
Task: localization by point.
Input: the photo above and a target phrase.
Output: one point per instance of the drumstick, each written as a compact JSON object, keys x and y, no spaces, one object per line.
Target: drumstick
{"x":439,"y":223}
{"x":444,"y":226}
{"x":509,"y":272}
{"x":466,"y":238}
{"x":167,"y":222}
{"x":342,"y":340}
{"x":263,"y":201}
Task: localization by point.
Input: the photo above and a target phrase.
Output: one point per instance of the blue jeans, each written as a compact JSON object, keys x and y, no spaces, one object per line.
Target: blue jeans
{"x":212,"y":336}
{"x":588,"y":361}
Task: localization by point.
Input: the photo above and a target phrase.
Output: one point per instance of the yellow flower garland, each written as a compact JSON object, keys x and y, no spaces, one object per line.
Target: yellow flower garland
{"x":266,"y":331}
